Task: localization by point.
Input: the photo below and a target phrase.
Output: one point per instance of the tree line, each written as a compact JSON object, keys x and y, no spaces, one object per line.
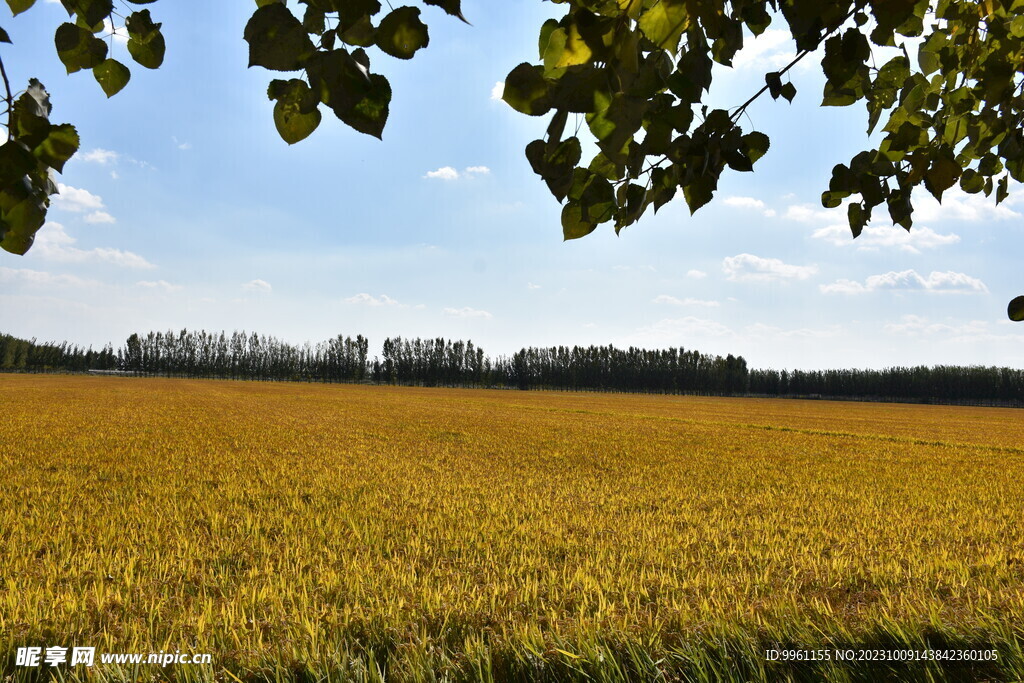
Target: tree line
{"x":456,"y":363}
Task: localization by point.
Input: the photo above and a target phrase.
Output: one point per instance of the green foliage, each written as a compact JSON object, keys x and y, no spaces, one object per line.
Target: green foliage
{"x":638,"y":73}
{"x":1016,"y":309}
{"x":35,"y":147}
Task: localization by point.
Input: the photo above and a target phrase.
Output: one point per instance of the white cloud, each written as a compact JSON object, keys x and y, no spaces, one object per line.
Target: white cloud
{"x":914,"y":325}
{"x":257,"y":286}
{"x":159,"y":284}
{"x":443,"y":173}
{"x":673,"y":301}
{"x":957,"y":205}
{"x":749,"y":203}
{"x":99,"y":156}
{"x":368,"y":300}
{"x":40,"y":278}
{"x":744,"y":202}
{"x":696,"y":274}
{"x":883,"y":236}
{"x":54,"y":244}
{"x":769,"y":51}
{"x":909,"y":280}
{"x":181,"y":145}
{"x":75,"y":200}
{"x":467,"y":312}
{"x":100,"y":217}
{"x":449,"y":173}
{"x":498,"y":90}
{"x":805,"y":213}
{"x":530,"y":285}
{"x":750,"y":268}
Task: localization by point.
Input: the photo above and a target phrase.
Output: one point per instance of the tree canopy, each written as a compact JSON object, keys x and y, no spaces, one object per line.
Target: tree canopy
{"x":941,"y":82}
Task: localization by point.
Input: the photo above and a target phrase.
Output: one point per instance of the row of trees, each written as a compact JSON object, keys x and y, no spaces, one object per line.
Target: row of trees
{"x":444,"y":362}
{"x":22,"y":355}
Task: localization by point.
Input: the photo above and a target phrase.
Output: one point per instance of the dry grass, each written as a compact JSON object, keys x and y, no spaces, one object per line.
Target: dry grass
{"x":334,"y":532}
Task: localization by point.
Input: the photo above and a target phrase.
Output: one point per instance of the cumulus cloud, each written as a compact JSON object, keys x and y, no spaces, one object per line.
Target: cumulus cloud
{"x":749,"y":203}
{"x":750,"y":268}
{"x":100,"y":217}
{"x":957,"y":205}
{"x":771,"y":50}
{"x":882,"y":236}
{"x":76,"y":200}
{"x":365,"y":299}
{"x":696,"y":274}
{"x":805,"y":213}
{"x":55,"y":244}
{"x":257,"y":286}
{"x":99,"y":156}
{"x":443,"y":173}
{"x":498,"y":90}
{"x":947,"y":282}
{"x":674,"y":301}
{"x":467,"y":312}
{"x":449,"y":173}
{"x":162,"y":285}
{"x":530,"y":285}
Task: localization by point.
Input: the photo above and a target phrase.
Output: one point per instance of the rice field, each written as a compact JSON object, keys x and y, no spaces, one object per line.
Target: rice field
{"x":327,"y":533}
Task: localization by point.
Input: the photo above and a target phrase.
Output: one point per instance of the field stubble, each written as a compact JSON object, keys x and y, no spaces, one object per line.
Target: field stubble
{"x":350,"y":532}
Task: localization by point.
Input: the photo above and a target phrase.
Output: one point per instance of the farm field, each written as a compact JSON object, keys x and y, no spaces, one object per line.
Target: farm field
{"x":342,"y":532}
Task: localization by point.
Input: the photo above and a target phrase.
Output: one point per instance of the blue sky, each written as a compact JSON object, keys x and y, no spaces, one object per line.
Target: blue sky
{"x":185,"y":210}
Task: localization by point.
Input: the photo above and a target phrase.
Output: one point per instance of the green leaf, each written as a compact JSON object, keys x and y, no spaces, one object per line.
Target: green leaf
{"x":16,"y":161}
{"x":24,"y":220}
{"x":78,"y":48}
{"x":527,"y":91}
{"x":941,"y":176}
{"x":112,"y":76}
{"x":277,"y":39}
{"x":573,"y":224}
{"x":362,"y":33}
{"x":19,"y":6}
{"x":857,"y":218}
{"x":149,"y":54}
{"x":4,"y":38}
{"x":774,"y":82}
{"x":664,"y":23}
{"x":1016,"y":309}
{"x":343,"y":82}
{"x":92,"y":12}
{"x":59,"y":146}
{"x":452,"y":7}
{"x":141,"y":26}
{"x":788,"y":91}
{"x":296,"y":113}
{"x":972,"y":182}
{"x":401,"y":33}
{"x":700,"y":191}
{"x":756,"y":145}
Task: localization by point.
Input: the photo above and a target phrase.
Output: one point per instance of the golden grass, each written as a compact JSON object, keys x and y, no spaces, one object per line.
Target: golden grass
{"x":309,"y":531}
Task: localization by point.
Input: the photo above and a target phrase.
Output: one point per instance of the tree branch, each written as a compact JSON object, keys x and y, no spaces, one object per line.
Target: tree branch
{"x":10,"y":99}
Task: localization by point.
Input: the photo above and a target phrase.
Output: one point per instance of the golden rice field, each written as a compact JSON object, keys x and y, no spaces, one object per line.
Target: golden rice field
{"x":314,"y":533}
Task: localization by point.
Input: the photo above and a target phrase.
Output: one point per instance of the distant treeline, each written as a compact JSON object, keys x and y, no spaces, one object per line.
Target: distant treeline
{"x":443,"y":362}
